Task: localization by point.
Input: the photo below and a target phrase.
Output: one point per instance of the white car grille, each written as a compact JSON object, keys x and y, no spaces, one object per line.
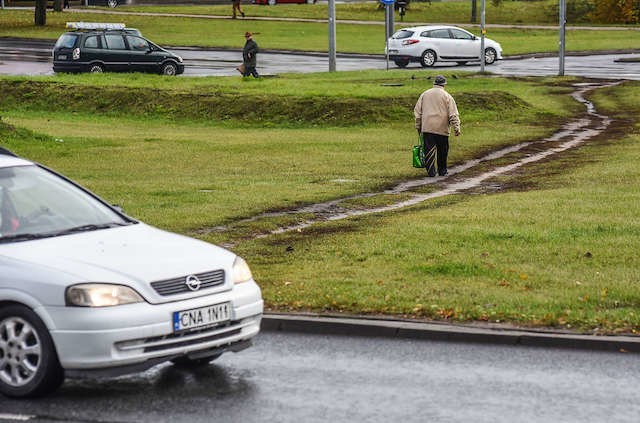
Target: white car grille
{"x":179,"y":285}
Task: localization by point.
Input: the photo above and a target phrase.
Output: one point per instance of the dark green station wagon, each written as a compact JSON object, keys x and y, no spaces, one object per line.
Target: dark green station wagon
{"x":108,"y":47}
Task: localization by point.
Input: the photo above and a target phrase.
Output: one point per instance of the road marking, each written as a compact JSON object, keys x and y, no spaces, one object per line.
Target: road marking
{"x":16,"y":417}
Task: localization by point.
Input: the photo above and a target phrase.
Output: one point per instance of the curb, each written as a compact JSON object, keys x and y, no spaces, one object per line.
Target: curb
{"x":398,"y":329}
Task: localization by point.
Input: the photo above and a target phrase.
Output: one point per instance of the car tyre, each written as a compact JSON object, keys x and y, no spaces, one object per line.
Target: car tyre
{"x":185,"y":361}
{"x":96,"y":68}
{"x":428,"y":59}
{"x":490,"y":56}
{"x":169,"y":69}
{"x":461,"y":63}
{"x":29,"y":365}
{"x":112,"y":3}
{"x":401,"y":63}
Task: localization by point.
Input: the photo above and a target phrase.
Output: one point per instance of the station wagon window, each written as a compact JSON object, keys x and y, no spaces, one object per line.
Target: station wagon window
{"x":92,"y":42}
{"x":115,"y":42}
{"x":137,"y":43}
{"x":461,"y":35}
{"x":66,"y":41}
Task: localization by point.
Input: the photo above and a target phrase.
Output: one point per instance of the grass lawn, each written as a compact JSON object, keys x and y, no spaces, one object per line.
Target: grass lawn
{"x":557,"y":250}
{"x":308,"y":36}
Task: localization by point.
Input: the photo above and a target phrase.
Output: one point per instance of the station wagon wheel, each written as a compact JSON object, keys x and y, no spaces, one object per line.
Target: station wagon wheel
{"x":490,"y":56}
{"x":112,"y":3}
{"x":169,"y":69}
{"x":29,"y":364}
{"x":96,"y":68}
{"x":401,"y":63}
{"x":272,"y":2}
{"x":428,"y":58}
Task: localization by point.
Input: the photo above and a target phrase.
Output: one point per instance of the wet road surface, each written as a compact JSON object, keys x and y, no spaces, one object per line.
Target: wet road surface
{"x":20,"y":57}
{"x":311,"y":378}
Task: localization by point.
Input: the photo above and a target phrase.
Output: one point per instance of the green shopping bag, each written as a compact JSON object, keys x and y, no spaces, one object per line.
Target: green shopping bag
{"x":418,"y":154}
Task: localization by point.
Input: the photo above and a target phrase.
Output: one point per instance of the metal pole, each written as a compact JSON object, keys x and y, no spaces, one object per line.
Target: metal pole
{"x":563,"y":21}
{"x":390,"y":22}
{"x":482,"y":32}
{"x":332,"y":36}
{"x":2,"y":4}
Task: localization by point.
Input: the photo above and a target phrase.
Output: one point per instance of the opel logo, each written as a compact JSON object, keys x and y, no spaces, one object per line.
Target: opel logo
{"x":193,"y":283}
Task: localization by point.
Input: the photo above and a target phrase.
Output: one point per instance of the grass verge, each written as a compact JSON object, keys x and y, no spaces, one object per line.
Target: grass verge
{"x":559,"y":250}
{"x":308,"y":36}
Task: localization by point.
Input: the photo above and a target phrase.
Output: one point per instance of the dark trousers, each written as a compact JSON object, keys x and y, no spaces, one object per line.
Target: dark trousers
{"x":250,"y":70}
{"x":436,"y":149}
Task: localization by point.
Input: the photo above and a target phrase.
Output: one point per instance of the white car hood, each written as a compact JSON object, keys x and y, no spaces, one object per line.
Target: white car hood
{"x":134,"y":255}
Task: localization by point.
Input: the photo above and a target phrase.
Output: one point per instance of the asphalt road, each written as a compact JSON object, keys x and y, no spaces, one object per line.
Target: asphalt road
{"x":19,"y":57}
{"x":312,"y":378}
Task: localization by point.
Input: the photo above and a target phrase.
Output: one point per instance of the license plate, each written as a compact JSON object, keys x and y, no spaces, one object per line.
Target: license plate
{"x":199,"y":317}
{"x":62,"y":57}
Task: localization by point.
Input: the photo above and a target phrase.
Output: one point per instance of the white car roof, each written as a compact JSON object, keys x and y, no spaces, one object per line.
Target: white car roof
{"x":429,"y":27}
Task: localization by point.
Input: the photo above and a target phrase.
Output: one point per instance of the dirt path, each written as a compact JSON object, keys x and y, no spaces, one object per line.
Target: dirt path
{"x":471,"y":175}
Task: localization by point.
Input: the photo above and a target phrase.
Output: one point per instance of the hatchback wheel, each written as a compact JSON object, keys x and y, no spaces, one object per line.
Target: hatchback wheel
{"x":401,"y":63}
{"x":428,"y":58}
{"x":490,"y":56}
{"x":169,"y":69}
{"x":29,"y":364}
{"x":96,"y":69}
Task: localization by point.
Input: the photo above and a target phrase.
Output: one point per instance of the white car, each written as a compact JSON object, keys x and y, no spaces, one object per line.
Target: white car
{"x":86,"y":290}
{"x":431,"y":44}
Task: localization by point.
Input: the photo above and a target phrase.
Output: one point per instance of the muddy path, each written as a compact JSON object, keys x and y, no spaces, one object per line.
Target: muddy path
{"x":473,"y":175}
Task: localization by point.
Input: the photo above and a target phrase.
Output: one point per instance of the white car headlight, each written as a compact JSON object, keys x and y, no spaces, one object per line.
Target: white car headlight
{"x":100,"y":295}
{"x":241,"y":271}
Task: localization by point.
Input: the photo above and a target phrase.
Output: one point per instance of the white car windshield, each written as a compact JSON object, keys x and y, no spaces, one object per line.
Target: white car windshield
{"x":35,"y":203}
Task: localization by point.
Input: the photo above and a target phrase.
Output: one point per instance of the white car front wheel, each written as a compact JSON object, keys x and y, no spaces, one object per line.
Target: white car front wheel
{"x":29,"y":364}
{"x":490,"y":56}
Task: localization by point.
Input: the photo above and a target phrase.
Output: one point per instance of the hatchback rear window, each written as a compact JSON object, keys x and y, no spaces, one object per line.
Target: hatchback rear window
{"x":402,"y":34}
{"x":66,"y":41}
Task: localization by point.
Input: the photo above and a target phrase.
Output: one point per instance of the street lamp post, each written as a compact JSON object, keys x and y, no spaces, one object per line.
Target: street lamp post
{"x":482,"y":32}
{"x":563,"y":21}
{"x":332,"y":36}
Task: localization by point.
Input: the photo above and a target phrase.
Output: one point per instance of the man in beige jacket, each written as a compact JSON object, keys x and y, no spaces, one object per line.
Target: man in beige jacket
{"x":435,"y":113}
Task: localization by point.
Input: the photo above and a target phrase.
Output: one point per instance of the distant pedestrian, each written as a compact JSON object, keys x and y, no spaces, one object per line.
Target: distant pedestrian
{"x":237,"y":8}
{"x":435,"y":112}
{"x":249,"y":53}
{"x":66,"y":4}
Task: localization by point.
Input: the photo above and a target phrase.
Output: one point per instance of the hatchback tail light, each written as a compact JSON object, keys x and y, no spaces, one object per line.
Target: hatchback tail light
{"x":76,"y":53}
{"x":409,"y":42}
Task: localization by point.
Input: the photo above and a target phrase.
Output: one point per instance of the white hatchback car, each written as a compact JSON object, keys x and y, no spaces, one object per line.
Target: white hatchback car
{"x":86,"y":290}
{"x":430,"y":44}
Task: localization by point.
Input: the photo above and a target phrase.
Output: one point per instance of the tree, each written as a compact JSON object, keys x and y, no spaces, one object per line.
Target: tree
{"x":617,"y":11}
{"x":40,"y":15}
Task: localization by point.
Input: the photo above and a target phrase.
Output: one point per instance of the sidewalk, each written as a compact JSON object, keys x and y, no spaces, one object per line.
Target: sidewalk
{"x":404,"y":329}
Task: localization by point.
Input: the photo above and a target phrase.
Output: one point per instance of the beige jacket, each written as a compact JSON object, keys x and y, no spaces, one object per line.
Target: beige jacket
{"x":436,"y":111}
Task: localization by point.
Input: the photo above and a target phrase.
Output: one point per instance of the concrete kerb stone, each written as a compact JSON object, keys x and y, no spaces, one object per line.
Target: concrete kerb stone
{"x":353,"y":326}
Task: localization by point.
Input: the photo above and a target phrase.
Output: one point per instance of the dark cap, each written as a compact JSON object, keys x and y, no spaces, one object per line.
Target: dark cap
{"x":440,"y":80}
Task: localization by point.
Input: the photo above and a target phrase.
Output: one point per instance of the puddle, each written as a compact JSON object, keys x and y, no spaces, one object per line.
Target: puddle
{"x":460,"y":177}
